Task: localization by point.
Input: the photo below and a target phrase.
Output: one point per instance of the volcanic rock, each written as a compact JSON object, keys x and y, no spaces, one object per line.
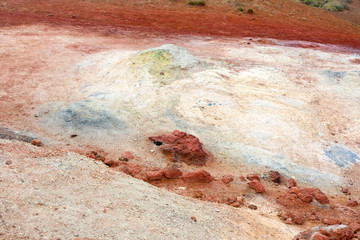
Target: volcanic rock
{"x":330,"y":221}
{"x":275,"y":176}
{"x":183,"y":147}
{"x":227,"y":179}
{"x":172,"y":172}
{"x":352,"y":203}
{"x":335,"y":232}
{"x":36,"y":142}
{"x":253,"y":176}
{"x":197,"y":176}
{"x":126,"y":156}
{"x":154,"y":175}
{"x":257,"y":186}
{"x":291,"y":183}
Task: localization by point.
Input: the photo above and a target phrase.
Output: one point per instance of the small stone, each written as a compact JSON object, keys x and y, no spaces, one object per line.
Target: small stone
{"x":319,"y":196}
{"x":305,"y":197}
{"x":253,"y":207}
{"x":111,"y":163}
{"x":288,"y":221}
{"x":172,"y":172}
{"x":126,"y":156}
{"x":291,"y":183}
{"x":293,"y":190}
{"x":194,"y":219}
{"x":154,"y":175}
{"x":8,"y":162}
{"x":236,"y":204}
{"x":319,"y":236}
{"x":352,"y":203}
{"x":275,"y":176}
{"x":231,"y":199}
{"x":330,"y":221}
{"x":227,"y":179}
{"x":198,"y":194}
{"x":134,"y":169}
{"x":36,"y":142}
{"x":299,"y":219}
{"x":253,"y":176}
{"x":257,"y":186}
{"x":197,"y":176}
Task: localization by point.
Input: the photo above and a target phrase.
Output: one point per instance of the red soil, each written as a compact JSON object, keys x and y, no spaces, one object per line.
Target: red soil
{"x":280,"y":19}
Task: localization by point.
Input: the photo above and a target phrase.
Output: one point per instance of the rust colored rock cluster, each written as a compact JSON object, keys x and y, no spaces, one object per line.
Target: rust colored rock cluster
{"x":183,"y":147}
{"x":307,"y":195}
{"x":335,"y":232}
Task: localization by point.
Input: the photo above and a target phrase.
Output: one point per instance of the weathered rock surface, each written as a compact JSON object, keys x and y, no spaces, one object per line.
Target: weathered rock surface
{"x":197,"y":176}
{"x":183,"y":147}
{"x":257,"y":186}
{"x":335,"y":232}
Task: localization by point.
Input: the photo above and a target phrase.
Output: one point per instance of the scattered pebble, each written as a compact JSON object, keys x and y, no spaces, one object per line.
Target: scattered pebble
{"x":36,"y":142}
{"x":253,"y":207}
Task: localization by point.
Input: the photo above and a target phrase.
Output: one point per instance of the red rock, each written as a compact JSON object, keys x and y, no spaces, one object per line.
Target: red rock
{"x":111,"y":162}
{"x":319,"y":236}
{"x":236,"y":204}
{"x":352,"y":203}
{"x":36,"y":142}
{"x":124,"y":169}
{"x":198,"y":194}
{"x":197,"y":176}
{"x":253,"y":176}
{"x":317,"y":194}
{"x":134,"y":169}
{"x":154,"y":175}
{"x":275,"y":176}
{"x":126,"y":156}
{"x":227,"y":179}
{"x":91,"y":155}
{"x":294,"y":190}
{"x":130,"y":169}
{"x":253,"y":207}
{"x":194,"y":219}
{"x":334,"y":232}
{"x":231,"y":199}
{"x":299,"y":219}
{"x":305,"y":196}
{"x":183,"y":147}
{"x":257,"y":186}
{"x":172,"y":172}
{"x":242,"y":178}
{"x":291,"y":183}
{"x":8,"y":162}
{"x":330,"y":221}
{"x":288,"y":221}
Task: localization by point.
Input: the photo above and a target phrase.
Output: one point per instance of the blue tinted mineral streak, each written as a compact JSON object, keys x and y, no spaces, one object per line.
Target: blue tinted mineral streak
{"x":342,"y":156}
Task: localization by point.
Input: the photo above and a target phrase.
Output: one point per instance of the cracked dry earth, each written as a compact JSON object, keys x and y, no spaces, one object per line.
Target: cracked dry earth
{"x":275,"y":128}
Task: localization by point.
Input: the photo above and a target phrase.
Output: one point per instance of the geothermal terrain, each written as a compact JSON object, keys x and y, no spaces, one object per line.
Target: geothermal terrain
{"x":162,"y":120}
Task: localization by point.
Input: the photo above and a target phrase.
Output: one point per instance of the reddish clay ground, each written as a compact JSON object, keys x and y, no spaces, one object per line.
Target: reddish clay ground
{"x":283,"y":19}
